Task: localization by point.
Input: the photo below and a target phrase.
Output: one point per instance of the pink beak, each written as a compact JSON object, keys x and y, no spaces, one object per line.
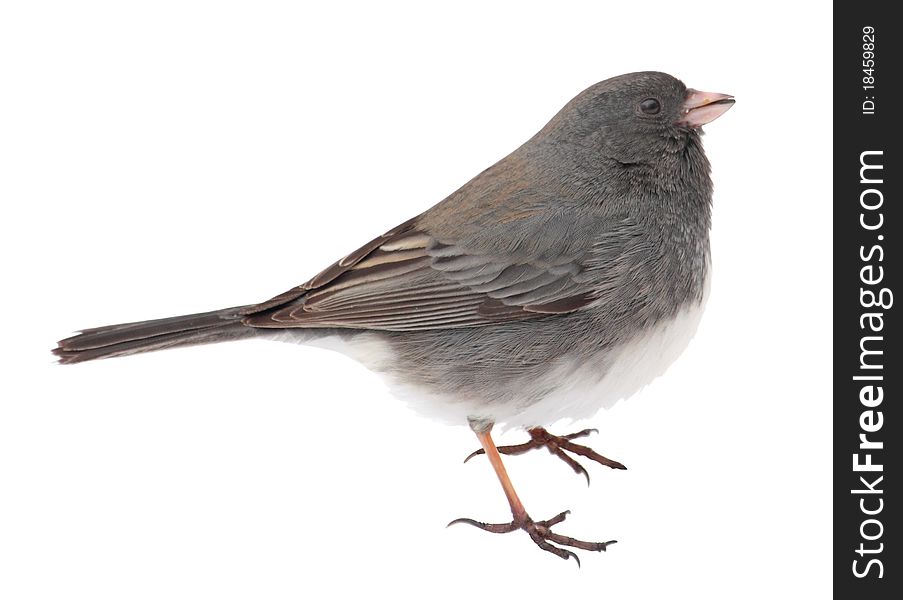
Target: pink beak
{"x":704,"y":107}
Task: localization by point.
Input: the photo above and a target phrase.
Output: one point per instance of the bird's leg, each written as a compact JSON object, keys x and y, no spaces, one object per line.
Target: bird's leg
{"x":539,"y":531}
{"x":557,"y":445}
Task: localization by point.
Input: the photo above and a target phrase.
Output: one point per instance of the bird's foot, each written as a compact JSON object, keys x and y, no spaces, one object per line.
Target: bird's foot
{"x":541,"y":533}
{"x":557,"y":445}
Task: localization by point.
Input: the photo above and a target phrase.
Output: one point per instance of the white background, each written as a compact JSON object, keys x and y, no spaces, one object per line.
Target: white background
{"x":170,"y":157}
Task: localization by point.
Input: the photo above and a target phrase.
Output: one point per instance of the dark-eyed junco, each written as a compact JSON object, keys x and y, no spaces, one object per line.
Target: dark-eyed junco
{"x":562,"y":278}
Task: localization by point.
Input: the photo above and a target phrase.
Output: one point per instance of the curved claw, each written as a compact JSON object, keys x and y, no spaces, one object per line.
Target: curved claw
{"x":577,"y":467}
{"x":556,"y":519}
{"x":580,"y":434}
{"x":576,"y":558}
{"x":490,"y":527}
{"x":559,"y":552}
{"x":464,"y":520}
{"x":474,"y":453}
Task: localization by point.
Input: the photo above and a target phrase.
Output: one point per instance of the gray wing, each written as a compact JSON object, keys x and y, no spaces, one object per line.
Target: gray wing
{"x":409,"y":279}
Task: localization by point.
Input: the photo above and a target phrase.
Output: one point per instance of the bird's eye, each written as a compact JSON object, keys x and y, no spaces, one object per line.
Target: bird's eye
{"x":650,"y":106}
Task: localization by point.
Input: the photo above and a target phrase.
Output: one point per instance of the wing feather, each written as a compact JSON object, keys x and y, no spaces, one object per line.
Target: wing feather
{"x":407,"y":280}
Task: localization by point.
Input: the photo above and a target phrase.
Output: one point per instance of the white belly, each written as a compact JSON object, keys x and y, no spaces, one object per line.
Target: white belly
{"x":601,"y":382}
{"x":579,"y":388}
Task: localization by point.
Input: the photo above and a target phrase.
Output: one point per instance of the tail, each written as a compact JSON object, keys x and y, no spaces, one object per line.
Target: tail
{"x":146,"y":336}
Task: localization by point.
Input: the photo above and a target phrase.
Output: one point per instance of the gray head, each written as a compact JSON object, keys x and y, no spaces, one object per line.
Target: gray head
{"x":636,"y":118}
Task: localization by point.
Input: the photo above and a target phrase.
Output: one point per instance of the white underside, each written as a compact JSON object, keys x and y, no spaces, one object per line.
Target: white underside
{"x":585,"y":388}
{"x":579,"y":388}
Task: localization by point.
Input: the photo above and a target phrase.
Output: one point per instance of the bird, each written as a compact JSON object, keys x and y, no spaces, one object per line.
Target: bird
{"x":563,"y":278}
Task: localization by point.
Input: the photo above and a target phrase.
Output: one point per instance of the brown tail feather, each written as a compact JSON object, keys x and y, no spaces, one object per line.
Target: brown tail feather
{"x":146,"y":336}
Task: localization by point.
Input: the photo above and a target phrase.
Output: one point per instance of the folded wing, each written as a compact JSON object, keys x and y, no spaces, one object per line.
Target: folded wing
{"x":408,"y":280}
